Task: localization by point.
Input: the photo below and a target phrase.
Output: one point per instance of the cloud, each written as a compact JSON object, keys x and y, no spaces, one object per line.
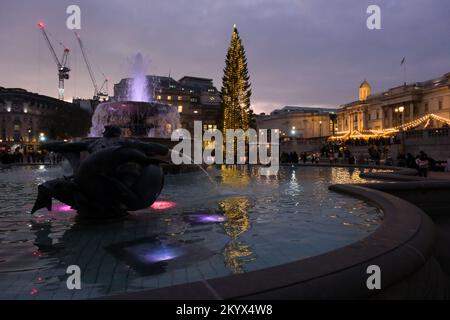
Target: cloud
{"x":300,"y":52}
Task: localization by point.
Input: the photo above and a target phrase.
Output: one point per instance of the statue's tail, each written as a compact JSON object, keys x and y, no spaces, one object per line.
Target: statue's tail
{"x":44,"y":200}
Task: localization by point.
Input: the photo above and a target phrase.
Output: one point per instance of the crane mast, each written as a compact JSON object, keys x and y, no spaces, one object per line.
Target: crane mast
{"x":62,"y":64}
{"x":98,"y":92}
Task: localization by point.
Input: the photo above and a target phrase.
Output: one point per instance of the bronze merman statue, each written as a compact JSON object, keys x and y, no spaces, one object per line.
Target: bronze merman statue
{"x":118,"y":175}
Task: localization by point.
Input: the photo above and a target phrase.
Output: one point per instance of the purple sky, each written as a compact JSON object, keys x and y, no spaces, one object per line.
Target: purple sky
{"x":300,"y":52}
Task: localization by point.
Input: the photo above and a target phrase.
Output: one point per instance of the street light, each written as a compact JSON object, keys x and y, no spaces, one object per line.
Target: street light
{"x":42,"y":137}
{"x":401,"y":110}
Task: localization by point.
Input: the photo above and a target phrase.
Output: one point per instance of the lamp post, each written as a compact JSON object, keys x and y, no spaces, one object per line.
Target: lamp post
{"x":401,"y":112}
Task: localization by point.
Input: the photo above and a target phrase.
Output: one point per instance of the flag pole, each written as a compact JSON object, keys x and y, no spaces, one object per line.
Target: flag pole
{"x":404,"y":71}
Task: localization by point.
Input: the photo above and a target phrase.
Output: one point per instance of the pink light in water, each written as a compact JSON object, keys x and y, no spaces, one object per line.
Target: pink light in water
{"x":163,"y":205}
{"x":34,"y":291}
{"x":62,"y":208}
{"x":37,"y":253}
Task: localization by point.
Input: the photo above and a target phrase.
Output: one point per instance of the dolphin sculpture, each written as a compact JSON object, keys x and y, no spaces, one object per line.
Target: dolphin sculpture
{"x":118,"y":175}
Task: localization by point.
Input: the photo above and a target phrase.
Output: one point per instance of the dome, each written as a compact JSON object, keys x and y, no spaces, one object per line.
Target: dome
{"x":364,"y":90}
{"x":364,"y":84}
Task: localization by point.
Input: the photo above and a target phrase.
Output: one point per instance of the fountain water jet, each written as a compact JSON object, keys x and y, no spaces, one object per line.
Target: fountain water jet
{"x":138,"y":116}
{"x":138,"y":87}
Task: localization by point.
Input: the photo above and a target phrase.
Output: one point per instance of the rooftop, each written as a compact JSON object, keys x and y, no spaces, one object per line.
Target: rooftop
{"x":295,"y":109}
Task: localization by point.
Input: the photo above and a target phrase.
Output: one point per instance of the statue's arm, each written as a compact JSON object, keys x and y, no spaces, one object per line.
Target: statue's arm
{"x":149,"y":148}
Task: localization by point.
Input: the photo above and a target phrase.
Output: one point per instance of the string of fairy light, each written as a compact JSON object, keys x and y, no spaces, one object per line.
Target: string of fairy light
{"x":365,"y":134}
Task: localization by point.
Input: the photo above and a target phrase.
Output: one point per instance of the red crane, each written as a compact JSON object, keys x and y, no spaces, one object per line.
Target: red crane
{"x":98,"y":92}
{"x":63,"y":69}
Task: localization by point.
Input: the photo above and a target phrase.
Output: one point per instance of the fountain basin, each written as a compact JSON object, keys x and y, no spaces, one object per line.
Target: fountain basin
{"x":136,"y":119}
{"x":244,"y":223}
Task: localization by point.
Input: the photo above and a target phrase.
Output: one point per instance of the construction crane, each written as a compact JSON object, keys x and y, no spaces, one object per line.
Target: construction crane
{"x":99,"y":92}
{"x":63,"y":69}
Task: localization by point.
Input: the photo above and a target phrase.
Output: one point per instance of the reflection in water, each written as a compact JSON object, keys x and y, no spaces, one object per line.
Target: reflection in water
{"x":234,"y":254}
{"x":238,"y":222}
{"x":61,"y":208}
{"x":235,"y":176}
{"x":236,"y":212}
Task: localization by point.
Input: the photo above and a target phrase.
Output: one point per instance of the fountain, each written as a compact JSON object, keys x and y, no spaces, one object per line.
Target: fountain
{"x":139,"y":115}
{"x":121,"y":173}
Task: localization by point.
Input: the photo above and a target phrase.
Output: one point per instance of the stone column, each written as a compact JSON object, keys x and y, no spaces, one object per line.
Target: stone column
{"x":411,"y":111}
{"x":390,"y":118}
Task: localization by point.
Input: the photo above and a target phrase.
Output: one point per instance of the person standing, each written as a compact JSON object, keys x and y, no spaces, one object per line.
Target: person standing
{"x":422,"y":164}
{"x":331,"y":157}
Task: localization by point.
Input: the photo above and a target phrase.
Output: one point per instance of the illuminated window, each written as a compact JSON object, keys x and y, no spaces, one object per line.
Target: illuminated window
{"x":180,"y":98}
{"x":180,"y":108}
{"x":158,"y":97}
{"x":169,"y":98}
{"x":195,"y":111}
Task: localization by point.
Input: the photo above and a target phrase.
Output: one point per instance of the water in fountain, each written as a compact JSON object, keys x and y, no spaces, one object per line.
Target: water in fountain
{"x":138,"y":116}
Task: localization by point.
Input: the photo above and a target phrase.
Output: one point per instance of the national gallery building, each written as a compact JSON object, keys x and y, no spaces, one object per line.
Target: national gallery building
{"x":420,"y":105}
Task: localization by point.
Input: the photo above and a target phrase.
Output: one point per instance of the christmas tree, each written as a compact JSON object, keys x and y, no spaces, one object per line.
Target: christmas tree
{"x":236,"y":91}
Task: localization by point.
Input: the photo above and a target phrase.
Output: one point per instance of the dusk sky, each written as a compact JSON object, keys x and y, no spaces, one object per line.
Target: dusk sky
{"x":300,"y":52}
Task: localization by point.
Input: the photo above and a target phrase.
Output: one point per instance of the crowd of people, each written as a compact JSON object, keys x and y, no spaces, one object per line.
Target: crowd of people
{"x":19,"y":156}
{"x":422,"y":163}
{"x":304,"y":157}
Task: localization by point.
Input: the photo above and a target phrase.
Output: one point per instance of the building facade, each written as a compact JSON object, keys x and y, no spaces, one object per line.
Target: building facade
{"x":26,"y":119}
{"x":298,"y":122}
{"x":196,"y":98}
{"x":399,"y":107}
